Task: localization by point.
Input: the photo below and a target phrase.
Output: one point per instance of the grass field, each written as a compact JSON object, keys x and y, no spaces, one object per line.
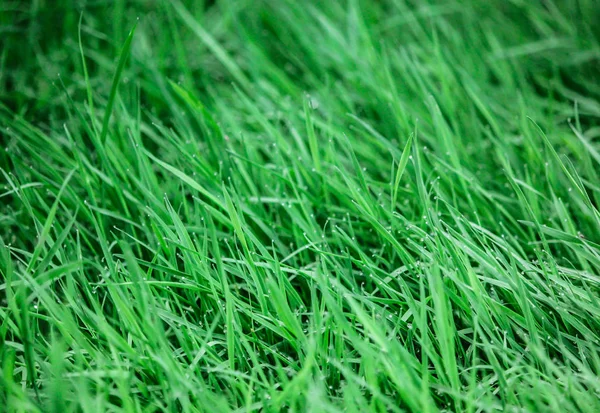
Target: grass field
{"x":303,"y":206}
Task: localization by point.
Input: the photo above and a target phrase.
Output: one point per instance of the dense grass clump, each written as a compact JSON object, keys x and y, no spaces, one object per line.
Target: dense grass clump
{"x":324,"y":206}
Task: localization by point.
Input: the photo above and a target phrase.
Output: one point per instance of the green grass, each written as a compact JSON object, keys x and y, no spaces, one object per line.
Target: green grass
{"x":320,"y":206}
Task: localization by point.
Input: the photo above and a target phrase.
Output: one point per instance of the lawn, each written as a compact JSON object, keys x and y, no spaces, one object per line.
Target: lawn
{"x":299,"y":206}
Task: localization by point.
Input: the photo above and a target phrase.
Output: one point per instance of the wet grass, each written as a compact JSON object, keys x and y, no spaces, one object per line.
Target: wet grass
{"x":299,"y":206}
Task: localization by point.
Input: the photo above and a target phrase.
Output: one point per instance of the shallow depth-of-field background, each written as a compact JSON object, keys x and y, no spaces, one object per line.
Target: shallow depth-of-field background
{"x":281,"y":205}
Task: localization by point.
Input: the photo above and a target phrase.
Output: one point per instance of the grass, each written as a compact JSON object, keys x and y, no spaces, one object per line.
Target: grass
{"x":358,"y":205}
